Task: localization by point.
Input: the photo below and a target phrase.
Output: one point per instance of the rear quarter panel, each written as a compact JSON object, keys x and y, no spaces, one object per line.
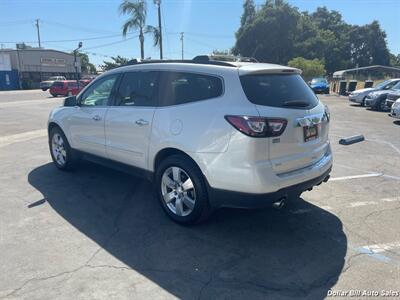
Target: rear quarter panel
{"x":200,"y":127}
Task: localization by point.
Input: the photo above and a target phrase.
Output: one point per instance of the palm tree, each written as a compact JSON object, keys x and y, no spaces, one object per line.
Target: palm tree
{"x":137,"y":12}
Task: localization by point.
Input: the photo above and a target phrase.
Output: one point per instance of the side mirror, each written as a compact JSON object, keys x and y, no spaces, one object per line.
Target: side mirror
{"x":70,"y":101}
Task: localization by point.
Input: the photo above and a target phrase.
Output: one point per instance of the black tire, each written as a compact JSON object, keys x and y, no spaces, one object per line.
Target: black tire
{"x":363,"y":102}
{"x":71,"y":157}
{"x":380,"y":105}
{"x":43,"y":89}
{"x":202,"y":209}
{"x":54,"y":95}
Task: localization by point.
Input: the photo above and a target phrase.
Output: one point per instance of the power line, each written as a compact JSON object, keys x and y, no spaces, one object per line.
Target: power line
{"x":74,"y":27}
{"x":13,"y":23}
{"x":201,"y":43}
{"x":73,"y":40}
{"x":109,"y":44}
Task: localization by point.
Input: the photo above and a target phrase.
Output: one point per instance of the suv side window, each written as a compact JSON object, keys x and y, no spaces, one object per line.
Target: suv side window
{"x":183,"y":87}
{"x":138,"y":89}
{"x":99,"y":92}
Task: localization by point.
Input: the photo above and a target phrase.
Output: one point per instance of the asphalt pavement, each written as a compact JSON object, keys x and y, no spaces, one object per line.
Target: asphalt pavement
{"x":96,"y":233}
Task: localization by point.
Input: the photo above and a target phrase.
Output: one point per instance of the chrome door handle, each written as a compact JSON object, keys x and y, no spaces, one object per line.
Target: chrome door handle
{"x":96,"y":118}
{"x":142,"y":122}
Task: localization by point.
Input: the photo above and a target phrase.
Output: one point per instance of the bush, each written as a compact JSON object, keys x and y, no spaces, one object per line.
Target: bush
{"x":310,"y":68}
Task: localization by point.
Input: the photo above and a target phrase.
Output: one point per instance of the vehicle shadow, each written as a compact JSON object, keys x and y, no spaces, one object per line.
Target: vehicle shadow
{"x":396,"y":123}
{"x":236,"y":254}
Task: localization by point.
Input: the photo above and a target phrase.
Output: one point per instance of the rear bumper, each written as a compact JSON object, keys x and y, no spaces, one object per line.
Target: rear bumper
{"x":223,"y":198}
{"x":320,"y":89}
{"x":370,"y":101}
{"x":356,"y":99}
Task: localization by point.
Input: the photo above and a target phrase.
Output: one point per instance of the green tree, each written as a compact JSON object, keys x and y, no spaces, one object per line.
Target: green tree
{"x":269,"y":37}
{"x":248,"y":16}
{"x":116,"y":62}
{"x":86,"y":66}
{"x":395,"y":60}
{"x":368,"y":45}
{"x":278,"y":32}
{"x":311,"y":68}
{"x":137,"y":12}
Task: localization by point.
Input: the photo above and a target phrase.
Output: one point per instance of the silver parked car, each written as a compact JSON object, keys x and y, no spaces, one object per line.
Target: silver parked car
{"x":377,"y":100}
{"x":392,"y":97}
{"x":395,"y":109}
{"x":209,"y":134}
{"x":359,"y":96}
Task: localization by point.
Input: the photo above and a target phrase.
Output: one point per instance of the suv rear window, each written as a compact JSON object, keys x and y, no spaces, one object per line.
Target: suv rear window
{"x":182,"y":87}
{"x":278,"y":90}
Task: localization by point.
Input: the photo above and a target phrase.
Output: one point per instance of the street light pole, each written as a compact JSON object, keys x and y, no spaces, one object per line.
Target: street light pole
{"x":76,"y":63}
{"x":158,"y":3}
{"x":38,"y":33}
{"x":182,"y":33}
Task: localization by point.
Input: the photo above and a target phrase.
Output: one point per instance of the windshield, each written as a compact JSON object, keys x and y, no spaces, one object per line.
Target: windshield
{"x":382,"y":84}
{"x":318,"y":80}
{"x":278,"y":90}
{"x":396,"y":86}
{"x":53,"y":78}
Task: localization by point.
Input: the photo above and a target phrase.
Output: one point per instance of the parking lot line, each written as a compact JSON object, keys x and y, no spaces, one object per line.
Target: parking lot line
{"x":379,"y":248}
{"x":22,"y":137}
{"x":356,"y":176}
{"x":349,"y":205}
{"x":26,"y":102}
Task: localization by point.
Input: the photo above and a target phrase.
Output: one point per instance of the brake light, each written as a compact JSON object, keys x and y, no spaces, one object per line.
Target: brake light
{"x":258,"y":126}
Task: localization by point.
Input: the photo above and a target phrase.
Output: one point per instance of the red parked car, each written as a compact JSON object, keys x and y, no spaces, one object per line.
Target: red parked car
{"x":65,"y":88}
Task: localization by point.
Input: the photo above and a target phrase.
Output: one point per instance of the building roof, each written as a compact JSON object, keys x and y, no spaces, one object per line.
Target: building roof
{"x":34,"y":49}
{"x":342,"y":73}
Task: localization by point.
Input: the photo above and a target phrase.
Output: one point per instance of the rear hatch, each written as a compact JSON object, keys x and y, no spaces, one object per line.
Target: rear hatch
{"x":285,"y":95}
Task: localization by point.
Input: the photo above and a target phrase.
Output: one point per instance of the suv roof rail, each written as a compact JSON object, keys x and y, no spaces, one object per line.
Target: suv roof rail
{"x":224,"y":58}
{"x":196,"y":60}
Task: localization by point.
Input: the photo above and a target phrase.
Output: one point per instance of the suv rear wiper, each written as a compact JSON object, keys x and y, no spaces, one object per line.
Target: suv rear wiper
{"x":296,"y":103}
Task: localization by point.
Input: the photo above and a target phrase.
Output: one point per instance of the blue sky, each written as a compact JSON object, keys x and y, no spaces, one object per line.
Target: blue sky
{"x":207,"y":24}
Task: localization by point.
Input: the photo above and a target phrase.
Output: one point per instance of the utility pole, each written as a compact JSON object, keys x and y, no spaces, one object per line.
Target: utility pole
{"x":38,"y":32}
{"x":76,"y":63}
{"x":158,"y":3}
{"x":182,"y":43}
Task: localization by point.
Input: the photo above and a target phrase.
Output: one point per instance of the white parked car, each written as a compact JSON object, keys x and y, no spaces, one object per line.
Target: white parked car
{"x":359,"y":96}
{"x":395,"y":110}
{"x":209,"y":134}
{"x":45,"y":85}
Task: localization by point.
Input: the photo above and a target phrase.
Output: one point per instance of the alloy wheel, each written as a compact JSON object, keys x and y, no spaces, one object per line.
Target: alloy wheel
{"x":58,"y":149}
{"x":178,"y":191}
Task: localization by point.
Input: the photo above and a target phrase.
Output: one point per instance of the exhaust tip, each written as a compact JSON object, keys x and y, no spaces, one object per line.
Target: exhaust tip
{"x":327,"y":178}
{"x":280,"y":203}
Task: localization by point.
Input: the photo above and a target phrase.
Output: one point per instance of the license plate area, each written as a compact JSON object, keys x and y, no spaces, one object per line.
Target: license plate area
{"x":310,"y":133}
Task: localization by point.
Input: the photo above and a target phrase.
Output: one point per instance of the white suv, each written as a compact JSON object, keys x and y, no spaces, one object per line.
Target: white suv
{"x":209,"y":134}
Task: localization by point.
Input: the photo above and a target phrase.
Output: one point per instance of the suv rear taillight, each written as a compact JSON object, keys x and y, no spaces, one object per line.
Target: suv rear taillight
{"x":258,"y":126}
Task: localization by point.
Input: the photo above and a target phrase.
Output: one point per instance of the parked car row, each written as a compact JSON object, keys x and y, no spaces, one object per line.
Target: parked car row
{"x":381,"y":97}
{"x":60,"y":86}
